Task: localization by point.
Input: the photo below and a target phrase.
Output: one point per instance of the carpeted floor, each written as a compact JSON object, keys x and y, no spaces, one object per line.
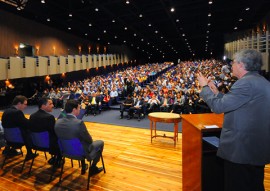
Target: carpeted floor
{"x":112,"y":117}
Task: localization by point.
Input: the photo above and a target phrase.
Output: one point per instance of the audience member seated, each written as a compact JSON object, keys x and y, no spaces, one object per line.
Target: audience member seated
{"x":178,"y":106}
{"x":14,"y":117}
{"x":70,"y":127}
{"x":154,"y":104}
{"x":126,"y":105}
{"x":41,"y":121}
{"x":137,"y":107}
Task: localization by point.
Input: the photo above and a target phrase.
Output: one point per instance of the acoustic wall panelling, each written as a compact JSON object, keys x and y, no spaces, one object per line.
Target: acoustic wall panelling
{"x":78,"y":62}
{"x":3,"y":69}
{"x":95,"y":60}
{"x":100,"y":60}
{"x":83,"y":66}
{"x":105,"y":61}
{"x":15,"y":69}
{"x":70,"y":66}
{"x":42,"y":67}
{"x":63,"y":64}
{"x":53,"y":67}
{"x":90,"y":62}
{"x":30,"y":67}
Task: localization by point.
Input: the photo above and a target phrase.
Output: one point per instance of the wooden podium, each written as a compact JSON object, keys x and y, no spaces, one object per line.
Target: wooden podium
{"x":193,"y":131}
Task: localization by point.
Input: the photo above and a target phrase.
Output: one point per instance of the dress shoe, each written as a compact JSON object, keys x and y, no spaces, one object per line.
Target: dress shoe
{"x":51,"y":161}
{"x":84,"y":169}
{"x":95,"y":170}
{"x":11,"y":152}
{"x":31,"y":156}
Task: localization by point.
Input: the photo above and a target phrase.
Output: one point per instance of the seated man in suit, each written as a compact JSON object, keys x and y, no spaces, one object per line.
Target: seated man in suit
{"x":95,"y":103}
{"x":137,"y":106}
{"x":14,"y":117}
{"x":70,"y":127}
{"x":41,"y":121}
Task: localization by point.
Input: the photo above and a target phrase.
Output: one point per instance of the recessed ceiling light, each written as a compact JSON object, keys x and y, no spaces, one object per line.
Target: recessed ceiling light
{"x":135,"y":34}
{"x":85,"y":34}
{"x":109,"y":43}
{"x":209,"y":14}
{"x":104,"y":31}
{"x":149,"y":24}
{"x":140,"y":15}
{"x":183,"y":34}
{"x":142,"y":40}
{"x":113,"y":21}
{"x":240,"y":20}
{"x":125,"y":28}
{"x":156,"y":32}
{"x":70,"y":15}
{"x":96,"y":9}
{"x":177,"y":20}
{"x":43,"y":1}
{"x":98,"y":38}
{"x":115,"y":36}
{"x":124,"y":41}
{"x":127,"y":1}
{"x":210,"y":2}
{"x":69,"y":28}
{"x":172,"y":9}
{"x":209,"y":24}
{"x":247,"y":8}
{"x":235,"y":28}
{"x":48,"y":19}
{"x":90,"y":24}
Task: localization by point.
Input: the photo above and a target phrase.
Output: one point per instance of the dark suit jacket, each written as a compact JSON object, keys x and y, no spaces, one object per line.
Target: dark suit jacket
{"x":13,"y":117}
{"x":41,"y":121}
{"x":70,"y":127}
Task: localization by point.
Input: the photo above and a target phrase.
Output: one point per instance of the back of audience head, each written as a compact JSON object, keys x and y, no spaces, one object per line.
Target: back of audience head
{"x":70,"y":105}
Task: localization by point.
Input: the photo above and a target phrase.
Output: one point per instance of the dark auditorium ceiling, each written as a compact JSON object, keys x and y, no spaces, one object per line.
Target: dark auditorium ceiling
{"x":196,"y":28}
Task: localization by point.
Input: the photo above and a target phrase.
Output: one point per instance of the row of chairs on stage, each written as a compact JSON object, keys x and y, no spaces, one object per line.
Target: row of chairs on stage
{"x":71,"y":149}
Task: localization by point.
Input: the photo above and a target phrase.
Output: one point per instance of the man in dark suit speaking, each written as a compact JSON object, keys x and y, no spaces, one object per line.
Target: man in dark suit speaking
{"x":70,"y":127}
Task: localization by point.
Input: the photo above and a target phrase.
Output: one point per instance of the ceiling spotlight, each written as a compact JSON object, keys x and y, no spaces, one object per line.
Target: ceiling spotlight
{"x":124,"y":41}
{"x":209,"y":24}
{"x":156,"y":32}
{"x":125,"y":28}
{"x":69,"y":28}
{"x":115,"y":36}
{"x":240,"y":20}
{"x":149,"y":24}
{"x":209,"y":14}
{"x":113,"y":21}
{"x":235,"y":28}
{"x":210,"y":2}
{"x":85,"y":34}
{"x":90,"y":24}
{"x":96,"y":9}
{"x":127,"y":1}
{"x":177,"y":20}
{"x":70,"y":15}
{"x":247,"y":8}
{"x":42,"y":1}
{"x":135,"y":34}
{"x":48,"y":19}
{"x":172,"y":9}
{"x":98,"y":39}
{"x":140,"y":15}
{"x":104,"y":31}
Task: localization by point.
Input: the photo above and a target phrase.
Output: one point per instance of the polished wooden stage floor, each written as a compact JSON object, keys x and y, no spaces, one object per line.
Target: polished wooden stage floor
{"x":132,"y":163}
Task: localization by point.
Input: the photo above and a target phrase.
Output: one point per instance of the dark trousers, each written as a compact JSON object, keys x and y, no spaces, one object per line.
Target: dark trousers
{"x":243,"y":177}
